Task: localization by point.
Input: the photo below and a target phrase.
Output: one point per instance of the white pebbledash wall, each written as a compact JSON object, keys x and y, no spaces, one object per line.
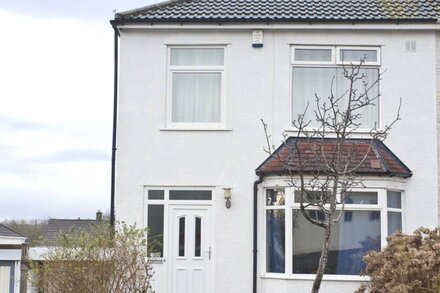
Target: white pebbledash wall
{"x":258,"y":87}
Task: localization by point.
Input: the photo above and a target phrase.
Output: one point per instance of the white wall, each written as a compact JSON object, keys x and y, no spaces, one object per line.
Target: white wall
{"x":258,"y":86}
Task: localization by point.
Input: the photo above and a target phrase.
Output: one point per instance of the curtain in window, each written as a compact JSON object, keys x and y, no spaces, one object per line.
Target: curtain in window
{"x":197,"y":56}
{"x":311,"y":81}
{"x":275,"y":241}
{"x":306,"y":83}
{"x":5,"y":278}
{"x":313,"y":54}
{"x":356,"y":238}
{"x":196,"y":97}
{"x":350,"y":241}
{"x":369,"y":114}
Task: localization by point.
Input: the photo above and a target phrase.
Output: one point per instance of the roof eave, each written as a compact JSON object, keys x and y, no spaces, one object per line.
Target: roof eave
{"x":296,"y":173}
{"x":121,"y":20}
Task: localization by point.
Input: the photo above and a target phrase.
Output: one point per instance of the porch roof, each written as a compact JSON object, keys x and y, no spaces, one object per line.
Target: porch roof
{"x":380,"y":160}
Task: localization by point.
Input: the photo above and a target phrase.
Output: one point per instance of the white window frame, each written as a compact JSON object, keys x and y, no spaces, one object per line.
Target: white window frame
{"x":195,"y":69}
{"x":290,"y":205}
{"x":334,"y":64}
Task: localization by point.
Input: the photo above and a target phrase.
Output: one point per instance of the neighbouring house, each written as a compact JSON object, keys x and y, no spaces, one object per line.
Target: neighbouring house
{"x":55,"y":227}
{"x":13,"y":256}
{"x":193,"y":79}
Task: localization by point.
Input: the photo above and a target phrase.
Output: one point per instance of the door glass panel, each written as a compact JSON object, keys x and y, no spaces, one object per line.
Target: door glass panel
{"x":198,"y":237}
{"x":190,"y":194}
{"x":181,"y":236}
{"x":156,"y":194}
{"x":155,"y":224}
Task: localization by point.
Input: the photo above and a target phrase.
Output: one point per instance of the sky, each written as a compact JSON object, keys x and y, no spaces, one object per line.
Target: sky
{"x":56,"y":99}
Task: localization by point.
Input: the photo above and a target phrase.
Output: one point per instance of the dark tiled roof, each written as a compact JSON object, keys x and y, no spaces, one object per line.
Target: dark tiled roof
{"x":8,"y":232}
{"x":67,"y":226}
{"x":285,"y":10}
{"x":380,"y":160}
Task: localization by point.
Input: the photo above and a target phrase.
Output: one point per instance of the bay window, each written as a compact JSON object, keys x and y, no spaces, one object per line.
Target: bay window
{"x":369,"y":217}
{"x":319,"y":71}
{"x":196,"y":77}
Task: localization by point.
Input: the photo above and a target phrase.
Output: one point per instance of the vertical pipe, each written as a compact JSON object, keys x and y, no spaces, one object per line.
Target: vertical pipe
{"x":255,"y":249}
{"x":115,"y":113}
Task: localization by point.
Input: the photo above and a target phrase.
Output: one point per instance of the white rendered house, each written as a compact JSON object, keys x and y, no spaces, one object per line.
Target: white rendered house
{"x":194,"y":79}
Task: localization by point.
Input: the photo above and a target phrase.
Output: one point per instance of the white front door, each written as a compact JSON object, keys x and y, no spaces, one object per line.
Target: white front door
{"x":190,"y":249}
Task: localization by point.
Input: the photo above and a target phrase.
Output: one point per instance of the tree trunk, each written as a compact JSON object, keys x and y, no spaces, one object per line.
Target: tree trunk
{"x":324,"y":257}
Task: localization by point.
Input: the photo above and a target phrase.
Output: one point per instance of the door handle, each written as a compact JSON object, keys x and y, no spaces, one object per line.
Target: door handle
{"x":209,"y":252}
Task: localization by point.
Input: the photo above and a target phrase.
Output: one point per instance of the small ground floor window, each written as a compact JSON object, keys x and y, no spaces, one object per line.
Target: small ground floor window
{"x":293,"y":244}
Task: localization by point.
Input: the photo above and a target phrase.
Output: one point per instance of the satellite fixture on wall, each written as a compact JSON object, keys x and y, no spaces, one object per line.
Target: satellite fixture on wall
{"x":257,"y":38}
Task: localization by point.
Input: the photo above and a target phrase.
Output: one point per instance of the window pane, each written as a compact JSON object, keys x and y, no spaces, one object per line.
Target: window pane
{"x":156,"y":194}
{"x":357,"y":55}
{"x":351,"y":240}
{"x":181,"y":236}
{"x":199,"y":56}
{"x":394,"y":199}
{"x":394,"y":222}
{"x":198,"y":237}
{"x":155,"y":224}
{"x":361,"y":198}
{"x":275,"y":241}
{"x":369,"y":115}
{"x":275,"y":197}
{"x":310,"y":196}
{"x":190,"y":194}
{"x":308,"y":82}
{"x":196,"y":97}
{"x":313,"y":54}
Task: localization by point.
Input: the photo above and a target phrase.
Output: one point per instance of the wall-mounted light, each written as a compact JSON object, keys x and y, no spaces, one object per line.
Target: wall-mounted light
{"x":228,"y":196}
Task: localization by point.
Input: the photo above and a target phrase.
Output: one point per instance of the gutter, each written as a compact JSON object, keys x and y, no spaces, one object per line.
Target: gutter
{"x":115,"y":113}
{"x":255,"y":240}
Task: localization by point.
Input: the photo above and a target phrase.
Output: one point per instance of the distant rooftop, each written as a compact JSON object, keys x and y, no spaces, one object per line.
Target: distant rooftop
{"x":285,"y":10}
{"x":68,"y":227}
{"x":8,"y":232}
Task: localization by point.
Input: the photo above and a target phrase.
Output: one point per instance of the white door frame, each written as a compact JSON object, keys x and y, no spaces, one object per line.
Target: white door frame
{"x":171,"y":245}
{"x":168,"y":204}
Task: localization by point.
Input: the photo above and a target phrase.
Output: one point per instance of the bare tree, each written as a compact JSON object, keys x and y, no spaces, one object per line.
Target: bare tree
{"x":326,"y":170}
{"x":97,"y":261}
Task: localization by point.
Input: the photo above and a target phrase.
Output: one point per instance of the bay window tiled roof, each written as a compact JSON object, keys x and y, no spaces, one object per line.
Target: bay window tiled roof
{"x":380,"y":160}
{"x":285,"y":10}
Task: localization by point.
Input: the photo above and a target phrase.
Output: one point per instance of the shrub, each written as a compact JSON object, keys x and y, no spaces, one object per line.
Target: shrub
{"x":98,"y":261}
{"x":409,"y":264}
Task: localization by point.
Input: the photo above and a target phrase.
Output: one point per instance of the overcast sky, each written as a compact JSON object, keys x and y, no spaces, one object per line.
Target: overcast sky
{"x":56,"y":95}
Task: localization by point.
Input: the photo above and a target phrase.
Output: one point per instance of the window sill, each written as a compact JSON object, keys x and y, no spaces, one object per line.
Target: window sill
{"x":195,"y":129}
{"x":345,"y":278}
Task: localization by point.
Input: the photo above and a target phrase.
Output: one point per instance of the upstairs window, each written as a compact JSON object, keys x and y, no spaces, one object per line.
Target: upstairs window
{"x":315,"y":68}
{"x":196,"y":78}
